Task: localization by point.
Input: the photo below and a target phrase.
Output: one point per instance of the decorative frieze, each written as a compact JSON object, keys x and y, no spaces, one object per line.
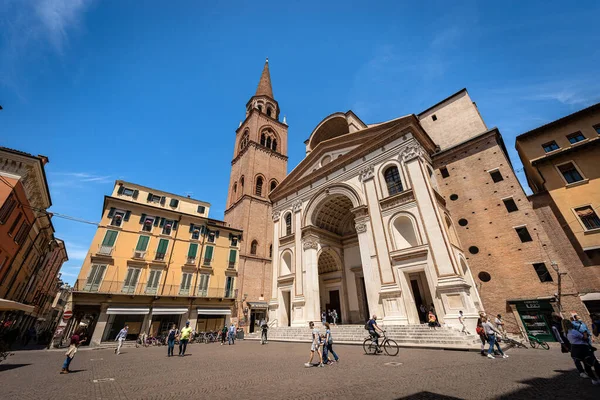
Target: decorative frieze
{"x":276,"y":215}
{"x":366,"y":173}
{"x":397,"y":200}
{"x":361,"y":227}
{"x":410,"y":152}
{"x":297,"y":206}
{"x":310,"y":244}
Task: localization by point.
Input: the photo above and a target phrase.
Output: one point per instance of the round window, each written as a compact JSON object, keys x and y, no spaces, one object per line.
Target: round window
{"x":484,"y":276}
{"x":463,"y":222}
{"x":453,"y":197}
{"x":473,"y":249}
{"x":326,"y":160}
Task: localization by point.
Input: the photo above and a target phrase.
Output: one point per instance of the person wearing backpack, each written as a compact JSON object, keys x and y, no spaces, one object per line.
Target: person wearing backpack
{"x":372,"y":327}
{"x":171,"y":337}
{"x":328,"y":346}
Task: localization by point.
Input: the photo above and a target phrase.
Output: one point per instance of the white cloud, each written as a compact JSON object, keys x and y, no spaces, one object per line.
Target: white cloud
{"x":76,"y":251}
{"x":76,"y":179}
{"x":29,"y":30}
{"x":572,"y":92}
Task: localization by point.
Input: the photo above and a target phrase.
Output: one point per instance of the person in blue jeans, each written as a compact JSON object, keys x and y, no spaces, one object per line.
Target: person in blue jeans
{"x":490,"y":332}
{"x":373,"y":328}
{"x":171,"y":337}
{"x":328,"y":346}
{"x":232,"y":332}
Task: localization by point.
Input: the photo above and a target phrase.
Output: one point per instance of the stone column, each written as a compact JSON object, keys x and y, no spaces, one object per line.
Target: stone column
{"x":311,"y":288}
{"x":275,"y":257}
{"x":100,"y":325}
{"x":368,"y":259}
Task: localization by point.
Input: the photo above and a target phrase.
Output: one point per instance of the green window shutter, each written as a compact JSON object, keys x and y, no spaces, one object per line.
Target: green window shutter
{"x":232,"y":255}
{"x":193,"y":250}
{"x":142,"y":244}
{"x":109,"y":238}
{"x":162,"y":246}
{"x":209,"y":253}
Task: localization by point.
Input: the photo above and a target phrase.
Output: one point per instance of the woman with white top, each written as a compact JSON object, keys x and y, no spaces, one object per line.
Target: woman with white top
{"x":490,"y":332}
{"x":581,"y":350}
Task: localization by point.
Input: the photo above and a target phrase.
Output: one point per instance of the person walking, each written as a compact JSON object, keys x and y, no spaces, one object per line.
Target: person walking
{"x":500,"y":325}
{"x":565,"y":345}
{"x":432,"y":320}
{"x":423,"y":313}
{"x":490,"y":332}
{"x":582,"y":351}
{"x":328,"y":346}
{"x":481,"y":332}
{"x":323,"y":317}
{"x":184,"y":338}
{"x":171,"y":337}
{"x":461,"y":319}
{"x":76,"y":340}
{"x":263,"y":335}
{"x":121,"y":336}
{"x":223,"y":334}
{"x":315,"y":345}
{"x":232,"y":332}
{"x":335,"y":316}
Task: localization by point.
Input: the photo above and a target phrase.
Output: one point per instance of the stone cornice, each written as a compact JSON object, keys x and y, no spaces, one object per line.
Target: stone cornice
{"x":397,"y":200}
{"x":32,"y":176}
{"x":443,"y":156}
{"x":258,"y":147}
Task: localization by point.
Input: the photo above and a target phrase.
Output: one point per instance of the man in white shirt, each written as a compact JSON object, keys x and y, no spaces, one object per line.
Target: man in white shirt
{"x":461,"y":319}
{"x":490,"y":333}
{"x":500,"y":325}
{"x":315,"y":345}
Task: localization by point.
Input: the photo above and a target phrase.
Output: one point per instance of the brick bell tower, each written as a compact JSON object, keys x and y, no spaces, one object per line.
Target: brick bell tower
{"x":259,"y":164}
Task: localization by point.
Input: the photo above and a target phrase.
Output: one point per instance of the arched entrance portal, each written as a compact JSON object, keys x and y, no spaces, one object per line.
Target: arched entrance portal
{"x":339,"y":266}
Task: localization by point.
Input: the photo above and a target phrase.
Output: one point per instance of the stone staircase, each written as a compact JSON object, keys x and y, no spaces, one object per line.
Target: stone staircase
{"x":418,"y":336}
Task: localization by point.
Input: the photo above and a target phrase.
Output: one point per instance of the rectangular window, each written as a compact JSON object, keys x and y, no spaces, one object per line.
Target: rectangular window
{"x":196,"y":230}
{"x":118,"y":216}
{"x":22,"y":233}
{"x":444,"y":172}
{"x":108,"y":243}
{"x":510,"y":205}
{"x":588,"y":217}
{"x":201,"y":209}
{"x":154,"y":198}
{"x":575,"y":137}
{"x":232,"y":258}
{"x":147,"y":223}
{"x":142,"y":244}
{"x":542,"y":272}
{"x":94,"y":278}
{"x":128,"y":192}
{"x":7,"y":208}
{"x":229,"y":287}
{"x":234,"y":241}
{"x":523,"y":234}
{"x":14,"y":224}
{"x":203,"y":285}
{"x":168,"y":226}
{"x":186,"y":281}
{"x":131,"y":280}
{"x":193,"y":250}
{"x":570,"y":173}
{"x":211,"y":237}
{"x":208,"y":255}
{"x":174,"y":203}
{"x":161,"y":250}
{"x":550,"y":146}
{"x":3,"y":262}
{"x":153,"y":281}
{"x":597,"y":128}
{"x":496,"y":176}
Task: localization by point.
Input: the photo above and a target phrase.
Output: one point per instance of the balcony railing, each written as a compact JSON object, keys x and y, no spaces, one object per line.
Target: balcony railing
{"x":105,"y":250}
{"x":231,"y":265}
{"x":207,"y":262}
{"x":139,"y":254}
{"x":191,"y":260}
{"x":142,"y":289}
{"x":160,"y":256}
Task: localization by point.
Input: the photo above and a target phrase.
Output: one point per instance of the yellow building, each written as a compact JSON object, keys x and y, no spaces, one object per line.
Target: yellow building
{"x":560,"y":160}
{"x":156,"y":259}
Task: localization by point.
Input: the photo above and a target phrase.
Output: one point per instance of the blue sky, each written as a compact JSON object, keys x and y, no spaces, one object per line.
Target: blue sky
{"x":153,"y":94}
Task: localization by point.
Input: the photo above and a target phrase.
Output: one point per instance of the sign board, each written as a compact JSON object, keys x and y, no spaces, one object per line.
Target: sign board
{"x":67,"y":315}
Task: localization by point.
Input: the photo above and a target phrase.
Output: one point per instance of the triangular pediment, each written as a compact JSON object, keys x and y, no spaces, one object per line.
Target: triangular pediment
{"x":349,"y":147}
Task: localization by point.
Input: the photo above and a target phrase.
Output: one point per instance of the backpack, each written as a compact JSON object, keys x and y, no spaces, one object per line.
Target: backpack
{"x":367,"y":326}
{"x":172,"y":334}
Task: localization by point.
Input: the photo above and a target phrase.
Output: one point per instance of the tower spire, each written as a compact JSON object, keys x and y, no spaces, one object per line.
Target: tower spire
{"x":264,"y":85}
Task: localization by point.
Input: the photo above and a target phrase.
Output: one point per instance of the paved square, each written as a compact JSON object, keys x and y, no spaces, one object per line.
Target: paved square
{"x":249,"y":370}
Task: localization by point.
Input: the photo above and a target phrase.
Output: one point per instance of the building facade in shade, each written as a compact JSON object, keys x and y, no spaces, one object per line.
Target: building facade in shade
{"x":560,"y":160}
{"x":259,"y":164}
{"x":156,"y":259}
{"x":420,"y":210}
{"x":30,"y":255}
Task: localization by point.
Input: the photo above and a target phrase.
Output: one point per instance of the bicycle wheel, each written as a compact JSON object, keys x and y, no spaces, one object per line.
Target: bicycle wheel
{"x":369,"y":346}
{"x":545,"y":345}
{"x":533,"y":343}
{"x":391,"y":347}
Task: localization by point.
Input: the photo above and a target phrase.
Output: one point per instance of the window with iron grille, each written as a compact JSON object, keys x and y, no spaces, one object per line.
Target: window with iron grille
{"x":259,"y":184}
{"x":392,"y":180}
{"x":588,"y":217}
{"x":288,"y":224}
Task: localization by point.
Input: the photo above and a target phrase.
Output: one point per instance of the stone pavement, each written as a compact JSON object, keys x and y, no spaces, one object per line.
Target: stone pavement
{"x":249,"y":370}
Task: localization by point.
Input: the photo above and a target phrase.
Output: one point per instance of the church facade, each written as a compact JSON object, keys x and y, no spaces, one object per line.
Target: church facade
{"x":423,"y":210}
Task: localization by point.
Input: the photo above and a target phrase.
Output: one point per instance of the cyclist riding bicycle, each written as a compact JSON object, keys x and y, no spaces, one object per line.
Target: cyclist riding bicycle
{"x":373,"y":328}
{"x":265,"y":328}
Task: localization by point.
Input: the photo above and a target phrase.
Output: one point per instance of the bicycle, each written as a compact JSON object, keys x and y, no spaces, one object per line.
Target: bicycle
{"x":390,"y":346}
{"x":534,"y":342}
{"x":513,"y":342}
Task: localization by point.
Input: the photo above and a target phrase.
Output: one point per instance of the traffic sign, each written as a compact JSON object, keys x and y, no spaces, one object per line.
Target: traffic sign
{"x":67,"y":315}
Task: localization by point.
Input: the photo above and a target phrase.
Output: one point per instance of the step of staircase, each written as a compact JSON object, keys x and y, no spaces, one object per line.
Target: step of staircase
{"x":417,"y":336}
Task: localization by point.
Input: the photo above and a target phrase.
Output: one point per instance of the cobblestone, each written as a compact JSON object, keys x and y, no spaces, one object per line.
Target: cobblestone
{"x":249,"y":370}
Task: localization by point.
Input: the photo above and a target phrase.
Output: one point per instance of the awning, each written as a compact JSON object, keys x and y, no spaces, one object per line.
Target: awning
{"x":129,"y":311}
{"x":214,"y":311}
{"x":590,"y":297}
{"x":258,"y":304}
{"x":167,"y":311}
{"x":9,"y":305}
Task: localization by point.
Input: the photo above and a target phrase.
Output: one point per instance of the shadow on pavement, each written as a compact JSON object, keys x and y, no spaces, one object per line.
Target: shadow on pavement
{"x":6,"y":367}
{"x":74,"y":371}
{"x":428,"y":396}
